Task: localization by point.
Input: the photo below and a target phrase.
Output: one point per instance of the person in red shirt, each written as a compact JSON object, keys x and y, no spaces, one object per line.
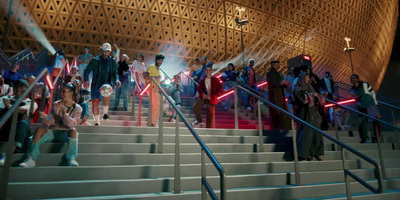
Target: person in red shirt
{"x":208,"y":89}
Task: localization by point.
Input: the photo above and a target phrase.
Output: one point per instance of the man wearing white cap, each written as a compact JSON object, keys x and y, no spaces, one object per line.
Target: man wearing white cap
{"x":123,"y":74}
{"x":104,"y":70}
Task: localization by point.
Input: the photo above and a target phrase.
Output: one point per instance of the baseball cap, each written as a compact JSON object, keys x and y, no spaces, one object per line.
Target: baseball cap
{"x":125,"y":56}
{"x":106,"y":47}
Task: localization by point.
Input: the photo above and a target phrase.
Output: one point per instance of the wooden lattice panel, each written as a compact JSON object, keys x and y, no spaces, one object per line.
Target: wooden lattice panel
{"x":278,"y":29}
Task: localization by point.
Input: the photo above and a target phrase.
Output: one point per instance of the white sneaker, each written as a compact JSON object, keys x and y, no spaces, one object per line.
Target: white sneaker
{"x":249,"y":108}
{"x":195,"y":123}
{"x":2,"y":159}
{"x":73,"y":163}
{"x":28,"y":162}
{"x":172,"y":120}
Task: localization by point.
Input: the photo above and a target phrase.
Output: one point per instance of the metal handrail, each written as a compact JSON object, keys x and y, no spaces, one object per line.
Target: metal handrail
{"x":388,"y":98}
{"x":136,"y":83}
{"x":190,"y":78}
{"x":378,"y":173}
{"x":204,"y":150}
{"x":165,"y":73}
{"x":388,"y":105}
{"x":375,"y":119}
{"x":133,"y":94}
{"x":13,"y":111}
{"x":392,"y":107}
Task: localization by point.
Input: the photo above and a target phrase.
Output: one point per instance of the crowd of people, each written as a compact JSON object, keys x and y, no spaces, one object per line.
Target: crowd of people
{"x":300,"y":92}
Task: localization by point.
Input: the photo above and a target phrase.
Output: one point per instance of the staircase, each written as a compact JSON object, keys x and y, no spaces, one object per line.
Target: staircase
{"x":119,"y":160}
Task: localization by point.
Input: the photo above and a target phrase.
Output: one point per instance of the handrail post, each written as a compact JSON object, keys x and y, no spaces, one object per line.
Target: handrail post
{"x":260,"y":128}
{"x":336,"y":123}
{"x":295,"y":155}
{"x":160,"y":125}
{"x":236,"y":109}
{"x":149,"y":119}
{"x":9,"y":151}
{"x":203,"y":175}
{"x":346,"y":177}
{"x":177,"y":167}
{"x":140,"y":111}
{"x":343,"y":156}
{"x":129,"y":90}
{"x":133,"y":100}
{"x":378,"y":142}
{"x":188,"y":94}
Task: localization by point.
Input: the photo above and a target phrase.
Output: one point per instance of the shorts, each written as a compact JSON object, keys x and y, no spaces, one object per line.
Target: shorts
{"x":57,"y":136}
{"x":95,"y":94}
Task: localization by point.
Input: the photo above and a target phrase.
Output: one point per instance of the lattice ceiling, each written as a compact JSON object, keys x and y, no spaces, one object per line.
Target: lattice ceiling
{"x":186,"y":29}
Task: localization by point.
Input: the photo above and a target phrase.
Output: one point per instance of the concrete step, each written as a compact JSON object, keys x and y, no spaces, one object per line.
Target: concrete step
{"x":90,"y":147}
{"x":140,"y":186}
{"x":113,"y":159}
{"x":58,"y":173}
{"x":200,"y":131}
{"x":186,"y":138}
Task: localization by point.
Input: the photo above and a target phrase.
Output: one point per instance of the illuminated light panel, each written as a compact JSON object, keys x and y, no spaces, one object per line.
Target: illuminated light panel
{"x":68,"y":68}
{"x":144,"y":90}
{"x":49,"y":82}
{"x":262,"y":84}
{"x":305,"y":57}
{"x":226,"y":94}
{"x":340,"y":102}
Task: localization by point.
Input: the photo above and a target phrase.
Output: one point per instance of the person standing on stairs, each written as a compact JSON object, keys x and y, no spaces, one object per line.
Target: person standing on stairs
{"x":104,"y":70}
{"x":59,"y":125}
{"x":123,"y":74}
{"x":192,"y":72}
{"x":317,"y":85}
{"x":276,"y":95}
{"x":289,"y":89}
{"x":309,"y":143}
{"x":84,"y":61}
{"x":229,"y":78}
{"x":366,"y":103}
{"x":248,"y":77}
{"x":208,"y":89}
{"x":138,"y":69}
{"x":153,"y":71}
{"x":201,"y":72}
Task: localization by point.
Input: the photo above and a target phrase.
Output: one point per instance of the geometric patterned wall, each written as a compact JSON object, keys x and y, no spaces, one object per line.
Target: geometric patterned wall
{"x":277,"y":29}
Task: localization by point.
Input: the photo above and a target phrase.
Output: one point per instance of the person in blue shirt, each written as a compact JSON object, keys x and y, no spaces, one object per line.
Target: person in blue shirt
{"x":229,"y":78}
{"x":11,"y":76}
{"x":201,"y":72}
